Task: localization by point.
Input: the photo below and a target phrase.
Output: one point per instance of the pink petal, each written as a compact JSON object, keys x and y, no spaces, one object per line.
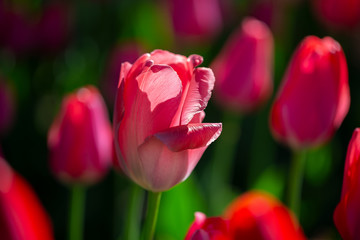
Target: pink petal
{"x":162,"y":168}
{"x":190,"y":136}
{"x":157,"y":94}
{"x":119,"y":102}
{"x":198,"y":93}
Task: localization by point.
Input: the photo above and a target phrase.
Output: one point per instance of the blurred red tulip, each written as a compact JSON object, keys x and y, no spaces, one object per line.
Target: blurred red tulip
{"x":244,"y":67}
{"x":259,"y":216}
{"x":196,"y":18}
{"x":347,"y":212}
{"x":21,"y":214}
{"x":6,"y":107}
{"x":338,"y":13}
{"x":213,"y":228}
{"x":80,"y":139}
{"x":127,"y":52}
{"x":159,"y":134}
{"x":314,"y":96}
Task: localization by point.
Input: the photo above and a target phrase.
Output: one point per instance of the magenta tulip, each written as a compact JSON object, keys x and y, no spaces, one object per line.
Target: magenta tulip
{"x":244,"y":67}
{"x":338,"y":13}
{"x":80,"y":139}
{"x":159,"y":134}
{"x":127,"y":52}
{"x":6,"y":107}
{"x":314,"y":96}
{"x":53,"y":28}
{"x":196,"y":18}
{"x":21,"y":214}
{"x":347,"y":212}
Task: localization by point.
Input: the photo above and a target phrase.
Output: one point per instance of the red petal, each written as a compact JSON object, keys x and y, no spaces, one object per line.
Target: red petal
{"x":190,"y":136}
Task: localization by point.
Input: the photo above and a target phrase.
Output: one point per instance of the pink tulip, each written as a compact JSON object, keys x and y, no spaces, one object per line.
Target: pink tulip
{"x":259,"y":216}
{"x":159,"y":134}
{"x":244,"y":67}
{"x":338,"y":13}
{"x":347,"y":212}
{"x":80,"y":139}
{"x":314,"y":96}
{"x":196,"y":18}
{"x":21,"y":214}
{"x":213,"y":228}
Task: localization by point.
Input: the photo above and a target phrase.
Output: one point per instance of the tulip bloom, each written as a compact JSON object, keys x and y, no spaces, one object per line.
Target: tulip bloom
{"x":347,"y":212}
{"x":213,"y":228}
{"x":257,"y":215}
{"x":21,"y":214}
{"x":254,"y":215}
{"x":314,"y":96}
{"x":196,"y":18}
{"x":244,"y":67}
{"x":80,"y":139}
{"x":159,"y":134}
{"x":338,"y":13}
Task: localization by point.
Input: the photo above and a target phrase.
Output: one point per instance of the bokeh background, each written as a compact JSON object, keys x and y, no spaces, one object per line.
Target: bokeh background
{"x":50,"y":48}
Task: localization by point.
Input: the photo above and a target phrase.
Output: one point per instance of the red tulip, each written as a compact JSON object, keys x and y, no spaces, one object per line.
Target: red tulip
{"x":244,"y":67}
{"x":159,"y":134}
{"x":21,"y":214}
{"x":213,"y":228}
{"x":347,"y":212}
{"x":314,"y":97}
{"x":80,"y":139}
{"x":196,"y":18}
{"x":338,"y":13}
{"x":259,"y":216}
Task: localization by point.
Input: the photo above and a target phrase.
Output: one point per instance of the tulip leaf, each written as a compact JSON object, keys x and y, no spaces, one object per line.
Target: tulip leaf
{"x":177,"y":208}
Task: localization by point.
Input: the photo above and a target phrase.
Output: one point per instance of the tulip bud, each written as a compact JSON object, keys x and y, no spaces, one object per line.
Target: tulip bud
{"x":347,"y":212}
{"x":196,"y":18}
{"x":314,"y":96}
{"x":21,"y":214}
{"x":80,"y":139}
{"x":338,"y":13}
{"x":258,"y":215}
{"x":244,"y":67}
{"x":159,"y":109}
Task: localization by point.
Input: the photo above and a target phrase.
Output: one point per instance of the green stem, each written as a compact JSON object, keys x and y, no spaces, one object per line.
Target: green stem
{"x":152,"y":213}
{"x":295,"y":181}
{"x":76,"y":216}
{"x":132,"y":224}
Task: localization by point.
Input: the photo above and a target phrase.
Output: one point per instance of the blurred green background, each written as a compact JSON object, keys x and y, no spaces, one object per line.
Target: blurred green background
{"x":93,"y":30}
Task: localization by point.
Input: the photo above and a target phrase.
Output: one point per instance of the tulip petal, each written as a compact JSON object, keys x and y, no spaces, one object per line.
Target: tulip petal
{"x":190,"y":136}
{"x":178,"y":62}
{"x":198,"y":93}
{"x":119,"y":102}
{"x":168,"y":157}
{"x":162,"y":168}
